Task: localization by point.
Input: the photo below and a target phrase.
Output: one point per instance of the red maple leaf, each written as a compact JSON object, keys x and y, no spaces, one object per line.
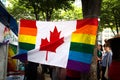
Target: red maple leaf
{"x":55,"y":42}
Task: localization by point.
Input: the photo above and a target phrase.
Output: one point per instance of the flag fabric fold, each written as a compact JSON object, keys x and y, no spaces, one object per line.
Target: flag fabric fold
{"x":66,"y":44}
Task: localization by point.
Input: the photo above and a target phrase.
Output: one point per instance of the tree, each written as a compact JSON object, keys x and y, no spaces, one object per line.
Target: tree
{"x":110,"y":15}
{"x":46,"y":7}
{"x":91,"y":9}
{"x":18,"y":11}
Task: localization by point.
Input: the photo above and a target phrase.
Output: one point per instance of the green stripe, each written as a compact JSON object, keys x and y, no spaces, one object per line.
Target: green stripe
{"x":26,"y":46}
{"x":81,"y":47}
{"x":14,"y":48}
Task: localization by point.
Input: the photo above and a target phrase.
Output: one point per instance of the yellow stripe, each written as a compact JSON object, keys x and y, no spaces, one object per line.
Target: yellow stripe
{"x":27,"y":39}
{"x":84,"y":38}
{"x":11,"y":54}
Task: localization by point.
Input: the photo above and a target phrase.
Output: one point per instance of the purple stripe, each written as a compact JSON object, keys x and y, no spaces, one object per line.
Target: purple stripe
{"x":21,"y":57}
{"x":78,"y":66}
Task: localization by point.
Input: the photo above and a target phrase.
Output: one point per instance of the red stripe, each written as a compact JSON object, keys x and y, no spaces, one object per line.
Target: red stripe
{"x":28,"y":23}
{"x":87,"y":21}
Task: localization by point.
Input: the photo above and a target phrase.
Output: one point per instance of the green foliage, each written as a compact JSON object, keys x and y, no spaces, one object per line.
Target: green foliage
{"x":76,"y":13}
{"x":19,"y":11}
{"x":110,"y":15}
{"x":73,"y":14}
{"x":45,"y":9}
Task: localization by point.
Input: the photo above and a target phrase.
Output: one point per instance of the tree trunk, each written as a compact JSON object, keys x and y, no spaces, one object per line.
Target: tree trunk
{"x":91,"y":9}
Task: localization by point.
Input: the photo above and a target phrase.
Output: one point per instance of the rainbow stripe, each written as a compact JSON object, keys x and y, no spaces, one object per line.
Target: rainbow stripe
{"x":82,"y":45}
{"x":27,"y":38}
{"x":12,"y":64}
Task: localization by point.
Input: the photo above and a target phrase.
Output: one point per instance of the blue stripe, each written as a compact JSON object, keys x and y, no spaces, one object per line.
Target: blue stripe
{"x":22,"y":51}
{"x":80,"y":56}
{"x":22,"y":55}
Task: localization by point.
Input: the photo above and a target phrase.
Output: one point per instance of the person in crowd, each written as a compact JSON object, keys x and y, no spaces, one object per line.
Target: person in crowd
{"x":31,"y":70}
{"x":47,"y":69}
{"x":114,"y":70}
{"x":59,"y":73}
{"x":73,"y":75}
{"x":107,"y":59}
{"x":99,"y":58}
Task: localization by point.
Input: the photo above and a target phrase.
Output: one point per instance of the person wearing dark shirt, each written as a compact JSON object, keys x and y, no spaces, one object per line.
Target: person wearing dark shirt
{"x":114,"y":70}
{"x":31,"y":71}
{"x":99,"y":58}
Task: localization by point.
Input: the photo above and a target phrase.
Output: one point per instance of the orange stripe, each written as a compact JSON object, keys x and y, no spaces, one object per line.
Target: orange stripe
{"x":87,"y":29}
{"x":28,"y":31}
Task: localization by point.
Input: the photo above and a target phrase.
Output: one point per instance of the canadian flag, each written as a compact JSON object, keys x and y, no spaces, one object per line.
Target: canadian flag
{"x":52,"y":43}
{"x":66,"y":44}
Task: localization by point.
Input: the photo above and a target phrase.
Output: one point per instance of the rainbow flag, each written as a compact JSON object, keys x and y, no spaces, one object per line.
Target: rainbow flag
{"x":82,"y":45}
{"x":66,"y":44}
{"x":12,"y":64}
{"x":27,"y":37}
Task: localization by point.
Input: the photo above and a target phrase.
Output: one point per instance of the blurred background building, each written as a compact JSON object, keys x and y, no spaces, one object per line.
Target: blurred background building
{"x":105,"y":34}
